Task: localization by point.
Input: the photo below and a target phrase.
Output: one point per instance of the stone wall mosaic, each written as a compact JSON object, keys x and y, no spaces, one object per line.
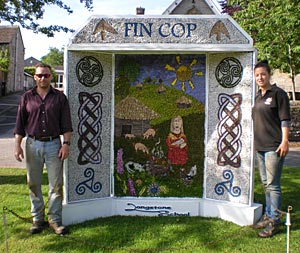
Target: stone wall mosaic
{"x":90,"y":97}
{"x":228,"y":132}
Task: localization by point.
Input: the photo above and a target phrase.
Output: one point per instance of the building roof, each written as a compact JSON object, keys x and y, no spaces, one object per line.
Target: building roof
{"x":31,"y":61}
{"x":132,"y":109}
{"x":192,"y":7}
{"x":26,"y":74}
{"x":7,"y":33}
{"x":58,"y":68}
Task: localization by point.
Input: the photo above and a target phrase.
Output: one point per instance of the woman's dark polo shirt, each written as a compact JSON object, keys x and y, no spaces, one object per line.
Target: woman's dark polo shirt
{"x":267,"y":113}
{"x":48,"y":117}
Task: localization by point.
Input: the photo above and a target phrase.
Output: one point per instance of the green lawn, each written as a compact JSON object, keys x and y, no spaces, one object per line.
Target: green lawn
{"x":144,"y":234}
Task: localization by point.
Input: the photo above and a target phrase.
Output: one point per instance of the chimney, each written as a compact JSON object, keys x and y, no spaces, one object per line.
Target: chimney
{"x":140,"y":11}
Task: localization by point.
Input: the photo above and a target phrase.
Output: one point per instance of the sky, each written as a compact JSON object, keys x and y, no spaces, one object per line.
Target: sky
{"x":38,"y":45}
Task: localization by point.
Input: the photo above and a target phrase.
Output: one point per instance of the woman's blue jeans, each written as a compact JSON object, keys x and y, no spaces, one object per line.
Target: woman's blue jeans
{"x":39,"y":154}
{"x":270,"y":168}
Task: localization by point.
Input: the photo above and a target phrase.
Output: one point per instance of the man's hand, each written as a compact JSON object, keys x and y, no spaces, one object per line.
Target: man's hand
{"x":64,"y":152}
{"x":19,"y":153}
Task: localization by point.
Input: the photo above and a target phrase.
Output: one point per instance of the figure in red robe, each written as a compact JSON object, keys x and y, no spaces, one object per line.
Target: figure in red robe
{"x":177,"y":142}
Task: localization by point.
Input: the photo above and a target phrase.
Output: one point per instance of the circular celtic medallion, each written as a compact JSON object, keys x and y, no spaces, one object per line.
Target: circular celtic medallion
{"x":229,"y":72}
{"x":89,"y":71}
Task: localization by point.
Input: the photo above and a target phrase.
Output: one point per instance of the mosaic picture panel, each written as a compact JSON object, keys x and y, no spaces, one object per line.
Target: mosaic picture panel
{"x":228,"y":167}
{"x":159,"y":125}
{"x":90,"y":99}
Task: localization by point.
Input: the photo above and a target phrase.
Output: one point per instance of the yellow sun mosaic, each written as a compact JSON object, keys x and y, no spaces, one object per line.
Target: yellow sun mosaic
{"x":184,"y":73}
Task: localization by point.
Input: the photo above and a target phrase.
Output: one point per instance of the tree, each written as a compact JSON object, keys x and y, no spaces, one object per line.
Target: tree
{"x":229,"y":9}
{"x":29,"y":70}
{"x":274,"y":27}
{"x":28,"y":12}
{"x":128,"y":68}
{"x":54,"y":58}
{"x":4,"y":58}
{"x":122,"y":87}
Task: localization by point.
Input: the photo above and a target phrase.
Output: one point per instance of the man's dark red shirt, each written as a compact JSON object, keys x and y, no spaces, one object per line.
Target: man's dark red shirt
{"x":43,"y":117}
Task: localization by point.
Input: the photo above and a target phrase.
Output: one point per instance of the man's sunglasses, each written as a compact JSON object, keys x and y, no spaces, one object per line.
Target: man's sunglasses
{"x":43,"y":75}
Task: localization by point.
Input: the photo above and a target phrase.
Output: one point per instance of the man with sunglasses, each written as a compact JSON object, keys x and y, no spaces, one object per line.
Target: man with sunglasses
{"x":43,"y":116}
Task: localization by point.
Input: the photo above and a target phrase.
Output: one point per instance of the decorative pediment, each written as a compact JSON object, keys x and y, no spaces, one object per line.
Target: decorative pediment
{"x":143,"y":32}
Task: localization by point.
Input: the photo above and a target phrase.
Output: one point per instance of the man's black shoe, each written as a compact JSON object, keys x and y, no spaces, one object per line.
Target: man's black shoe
{"x":37,"y":227}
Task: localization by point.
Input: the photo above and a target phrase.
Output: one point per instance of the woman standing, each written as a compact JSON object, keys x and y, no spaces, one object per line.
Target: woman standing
{"x":271,"y":118}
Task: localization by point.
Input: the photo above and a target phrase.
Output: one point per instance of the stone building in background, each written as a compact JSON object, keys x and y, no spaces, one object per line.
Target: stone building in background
{"x":11,"y":40}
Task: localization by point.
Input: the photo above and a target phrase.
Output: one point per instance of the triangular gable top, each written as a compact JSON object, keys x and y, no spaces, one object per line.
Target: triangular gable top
{"x":31,"y":61}
{"x":161,"y":33}
{"x":185,"y":7}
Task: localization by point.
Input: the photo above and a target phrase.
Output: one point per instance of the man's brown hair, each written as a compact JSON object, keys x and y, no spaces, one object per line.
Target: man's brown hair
{"x":42,"y":65}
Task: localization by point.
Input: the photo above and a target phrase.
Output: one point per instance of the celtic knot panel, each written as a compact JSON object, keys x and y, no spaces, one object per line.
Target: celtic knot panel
{"x":90,"y":128}
{"x":220,"y":188}
{"x":229,"y":72}
{"x":89,"y":71}
{"x":89,"y":173}
{"x":229,"y":130}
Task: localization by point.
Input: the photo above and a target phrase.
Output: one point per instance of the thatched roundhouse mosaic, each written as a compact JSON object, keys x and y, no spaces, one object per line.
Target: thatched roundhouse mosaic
{"x":132,"y":117}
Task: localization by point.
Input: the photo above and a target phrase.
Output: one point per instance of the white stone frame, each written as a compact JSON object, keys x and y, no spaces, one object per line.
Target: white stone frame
{"x":242,"y":212}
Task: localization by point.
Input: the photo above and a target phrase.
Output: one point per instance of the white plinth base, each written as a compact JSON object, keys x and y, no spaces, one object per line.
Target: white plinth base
{"x":240,"y":214}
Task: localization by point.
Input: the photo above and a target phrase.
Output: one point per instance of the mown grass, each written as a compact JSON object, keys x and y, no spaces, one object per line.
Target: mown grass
{"x":144,"y":234}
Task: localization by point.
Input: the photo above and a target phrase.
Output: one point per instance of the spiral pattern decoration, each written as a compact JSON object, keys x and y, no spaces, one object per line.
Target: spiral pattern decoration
{"x":220,"y":188}
{"x":89,"y":173}
{"x":229,"y":72}
{"x":89,"y":71}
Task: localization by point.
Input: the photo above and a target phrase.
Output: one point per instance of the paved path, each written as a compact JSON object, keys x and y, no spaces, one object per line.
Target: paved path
{"x":293,"y":157}
{"x":7,"y":159}
{"x":8,"y":111}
